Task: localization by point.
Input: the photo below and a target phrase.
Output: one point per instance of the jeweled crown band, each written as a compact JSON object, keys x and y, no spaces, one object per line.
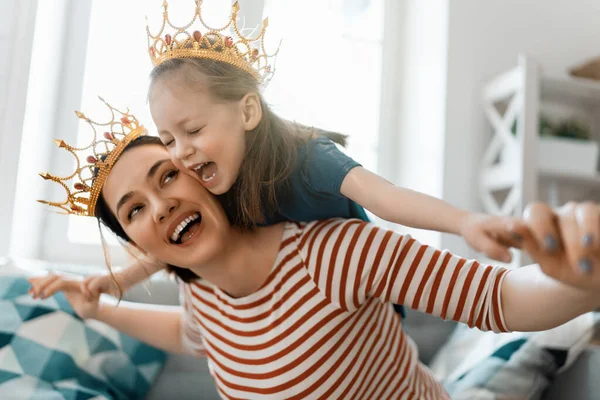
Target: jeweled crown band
{"x":91,"y":173}
{"x":226,"y":44}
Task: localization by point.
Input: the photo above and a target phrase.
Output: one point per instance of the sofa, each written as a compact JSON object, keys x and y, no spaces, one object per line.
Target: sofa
{"x":185,"y":377}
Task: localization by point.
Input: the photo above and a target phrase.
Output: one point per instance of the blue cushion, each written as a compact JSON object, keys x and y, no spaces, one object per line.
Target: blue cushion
{"x":48,"y":352}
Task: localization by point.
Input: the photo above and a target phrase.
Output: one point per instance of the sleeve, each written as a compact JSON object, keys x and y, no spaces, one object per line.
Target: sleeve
{"x":352,"y":261}
{"x":326,"y":166}
{"x":191,"y":336}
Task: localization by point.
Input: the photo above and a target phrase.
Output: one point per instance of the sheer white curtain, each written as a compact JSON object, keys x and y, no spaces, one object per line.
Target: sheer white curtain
{"x":328,"y":75}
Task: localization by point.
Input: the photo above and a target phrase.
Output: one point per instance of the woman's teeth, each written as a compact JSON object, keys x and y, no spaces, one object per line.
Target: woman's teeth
{"x":183,"y":225}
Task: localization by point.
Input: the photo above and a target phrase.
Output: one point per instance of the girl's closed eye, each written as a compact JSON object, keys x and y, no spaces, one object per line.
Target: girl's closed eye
{"x":195,"y":131}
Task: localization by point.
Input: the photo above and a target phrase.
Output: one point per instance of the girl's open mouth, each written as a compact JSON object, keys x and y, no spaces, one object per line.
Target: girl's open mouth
{"x":206,"y":171}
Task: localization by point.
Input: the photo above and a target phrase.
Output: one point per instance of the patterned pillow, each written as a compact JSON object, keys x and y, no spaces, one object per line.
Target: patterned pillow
{"x":48,"y":352}
{"x":516,"y":365}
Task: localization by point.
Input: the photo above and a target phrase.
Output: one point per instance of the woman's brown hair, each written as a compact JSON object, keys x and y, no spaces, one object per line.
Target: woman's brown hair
{"x":105,"y":217}
{"x":272,"y":146}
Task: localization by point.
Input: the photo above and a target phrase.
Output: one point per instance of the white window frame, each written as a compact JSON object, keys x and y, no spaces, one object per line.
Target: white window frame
{"x":55,"y":246}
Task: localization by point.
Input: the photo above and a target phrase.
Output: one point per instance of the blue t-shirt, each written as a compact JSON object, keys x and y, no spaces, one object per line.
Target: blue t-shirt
{"x":312,"y":191}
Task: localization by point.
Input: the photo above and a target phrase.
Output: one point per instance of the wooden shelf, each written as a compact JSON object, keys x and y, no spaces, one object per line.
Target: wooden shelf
{"x":567,"y":88}
{"x":592,"y":181}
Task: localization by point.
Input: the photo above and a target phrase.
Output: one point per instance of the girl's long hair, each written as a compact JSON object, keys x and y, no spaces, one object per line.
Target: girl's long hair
{"x":272,"y":146}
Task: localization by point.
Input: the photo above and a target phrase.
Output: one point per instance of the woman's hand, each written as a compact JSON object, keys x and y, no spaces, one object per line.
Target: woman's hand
{"x":565,"y":242}
{"x":85,"y":305}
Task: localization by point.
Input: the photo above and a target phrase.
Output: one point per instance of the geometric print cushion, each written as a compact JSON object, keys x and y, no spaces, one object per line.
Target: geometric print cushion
{"x":48,"y":352}
{"x":524,"y":365}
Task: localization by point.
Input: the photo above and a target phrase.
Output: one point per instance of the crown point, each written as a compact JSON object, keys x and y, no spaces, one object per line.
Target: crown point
{"x":91,"y":159}
{"x":266,"y":22}
{"x":235,"y":7}
{"x":109,"y":136}
{"x":45,"y":175}
{"x":125,"y":121}
{"x":60,"y":143}
{"x":41,"y":201}
{"x":168,"y":39}
{"x":80,"y":115}
{"x":228,"y":41}
{"x":197,"y":36}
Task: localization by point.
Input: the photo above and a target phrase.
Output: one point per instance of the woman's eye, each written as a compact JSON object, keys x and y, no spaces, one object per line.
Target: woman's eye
{"x":133,"y":212}
{"x":169,"y":143}
{"x":169,"y":175}
{"x":194,"y":132}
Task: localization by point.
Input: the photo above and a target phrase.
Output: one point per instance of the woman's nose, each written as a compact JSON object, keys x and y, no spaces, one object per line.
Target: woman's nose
{"x":163,"y":210}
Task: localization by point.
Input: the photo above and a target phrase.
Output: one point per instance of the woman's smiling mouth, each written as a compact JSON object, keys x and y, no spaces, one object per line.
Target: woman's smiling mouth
{"x":185,"y":229}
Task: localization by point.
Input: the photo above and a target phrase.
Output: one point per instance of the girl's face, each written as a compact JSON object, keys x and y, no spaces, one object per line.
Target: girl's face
{"x":203,"y":136}
{"x":166,"y":213}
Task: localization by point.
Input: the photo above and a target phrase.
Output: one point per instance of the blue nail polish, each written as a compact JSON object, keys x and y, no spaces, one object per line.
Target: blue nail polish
{"x":587,"y":240}
{"x":585,"y":265}
{"x":550,"y":242}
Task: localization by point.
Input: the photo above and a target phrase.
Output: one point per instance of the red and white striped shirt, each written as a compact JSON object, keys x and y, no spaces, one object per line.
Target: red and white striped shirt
{"x":323,"y":325}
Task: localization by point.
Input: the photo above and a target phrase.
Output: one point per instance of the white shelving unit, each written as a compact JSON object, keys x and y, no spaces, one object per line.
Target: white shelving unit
{"x":511,"y":176}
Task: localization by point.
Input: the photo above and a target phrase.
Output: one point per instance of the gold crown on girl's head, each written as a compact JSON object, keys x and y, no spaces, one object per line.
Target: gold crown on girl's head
{"x":95,"y":161}
{"x":224,"y":44}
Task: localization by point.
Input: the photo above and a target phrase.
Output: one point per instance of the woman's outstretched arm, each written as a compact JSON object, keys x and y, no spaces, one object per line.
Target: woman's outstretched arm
{"x":156,"y":325}
{"x":356,"y":261}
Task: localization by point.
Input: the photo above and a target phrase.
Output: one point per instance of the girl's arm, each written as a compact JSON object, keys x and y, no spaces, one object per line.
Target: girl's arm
{"x":418,"y":210}
{"x":127,"y":278}
{"x":400,"y":205}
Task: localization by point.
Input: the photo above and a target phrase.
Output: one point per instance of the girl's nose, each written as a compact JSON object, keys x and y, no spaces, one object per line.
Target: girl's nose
{"x":183,"y":151}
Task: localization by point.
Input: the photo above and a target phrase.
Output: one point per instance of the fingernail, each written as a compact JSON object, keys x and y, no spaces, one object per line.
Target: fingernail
{"x":587,"y":240}
{"x":516,"y":237}
{"x":585,"y":265}
{"x":550,"y":243}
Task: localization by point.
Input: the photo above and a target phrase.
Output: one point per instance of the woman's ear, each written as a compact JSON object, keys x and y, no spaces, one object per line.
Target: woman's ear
{"x":251,"y":110}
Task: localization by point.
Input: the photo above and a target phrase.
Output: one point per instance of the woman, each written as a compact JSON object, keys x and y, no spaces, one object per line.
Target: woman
{"x":305,"y":310}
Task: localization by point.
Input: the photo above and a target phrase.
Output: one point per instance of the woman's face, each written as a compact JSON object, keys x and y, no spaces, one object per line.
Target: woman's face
{"x":168,"y":214}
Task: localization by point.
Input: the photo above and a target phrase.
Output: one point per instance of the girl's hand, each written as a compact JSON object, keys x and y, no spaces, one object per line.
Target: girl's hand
{"x":97,"y":284}
{"x":490,"y":235}
{"x":45,"y":286}
{"x":565,"y":242}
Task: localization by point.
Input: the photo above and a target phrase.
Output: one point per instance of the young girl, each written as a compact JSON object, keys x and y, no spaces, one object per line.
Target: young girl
{"x":302,"y":310}
{"x":205,"y":101}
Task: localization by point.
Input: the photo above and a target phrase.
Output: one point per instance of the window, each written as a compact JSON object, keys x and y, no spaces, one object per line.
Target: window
{"x":328,"y":69}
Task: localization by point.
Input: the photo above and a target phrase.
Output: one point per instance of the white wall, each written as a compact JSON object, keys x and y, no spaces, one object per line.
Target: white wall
{"x":484,"y":38}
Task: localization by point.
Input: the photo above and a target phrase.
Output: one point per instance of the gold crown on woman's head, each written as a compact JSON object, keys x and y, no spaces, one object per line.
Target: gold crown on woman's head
{"x":94,"y":161}
{"x":224,"y":44}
